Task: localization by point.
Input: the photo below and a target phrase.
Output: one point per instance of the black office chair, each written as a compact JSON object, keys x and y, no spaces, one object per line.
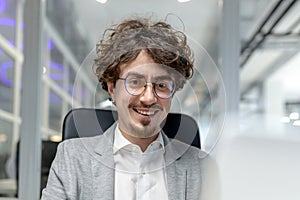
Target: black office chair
{"x":49,"y":149}
{"x":86,"y":122}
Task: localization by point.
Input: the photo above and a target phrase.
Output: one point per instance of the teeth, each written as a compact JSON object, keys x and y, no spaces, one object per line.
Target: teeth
{"x":145,"y":112}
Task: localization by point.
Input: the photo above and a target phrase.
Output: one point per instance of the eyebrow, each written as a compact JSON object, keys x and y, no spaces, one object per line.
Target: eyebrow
{"x":155,"y":78}
{"x":163,"y":77}
{"x":135,"y":73}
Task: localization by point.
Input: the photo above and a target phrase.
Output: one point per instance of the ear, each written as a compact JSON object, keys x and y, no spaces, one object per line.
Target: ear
{"x":111,"y":89}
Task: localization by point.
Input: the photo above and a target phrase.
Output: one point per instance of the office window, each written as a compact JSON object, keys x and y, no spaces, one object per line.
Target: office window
{"x":86,"y":96}
{"x":56,"y":64}
{"x":8,"y":20}
{"x":72,"y":78}
{"x":5,"y":146}
{"x":77,"y":91}
{"x":55,"y":111}
{"x":88,"y":99}
{"x":69,"y":107}
{"x":6,"y":82}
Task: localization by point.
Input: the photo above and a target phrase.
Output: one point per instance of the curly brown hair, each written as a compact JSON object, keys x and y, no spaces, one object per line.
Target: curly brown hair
{"x":122,"y":43}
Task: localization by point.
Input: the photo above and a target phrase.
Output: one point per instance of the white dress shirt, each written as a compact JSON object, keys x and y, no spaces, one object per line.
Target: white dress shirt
{"x":139,"y":175}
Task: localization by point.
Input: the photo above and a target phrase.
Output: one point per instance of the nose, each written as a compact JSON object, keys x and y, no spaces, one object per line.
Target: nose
{"x":148,"y":97}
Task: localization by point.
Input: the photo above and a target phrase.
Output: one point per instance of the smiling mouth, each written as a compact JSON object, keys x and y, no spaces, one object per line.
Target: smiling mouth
{"x":145,"y":113}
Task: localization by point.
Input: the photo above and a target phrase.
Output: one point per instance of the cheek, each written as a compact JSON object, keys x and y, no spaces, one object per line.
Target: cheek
{"x":166,"y":105}
{"x":118,"y":92}
{"x":123,"y":97}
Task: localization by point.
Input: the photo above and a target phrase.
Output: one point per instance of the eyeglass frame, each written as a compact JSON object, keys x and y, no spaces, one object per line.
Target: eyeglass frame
{"x":146,"y":83}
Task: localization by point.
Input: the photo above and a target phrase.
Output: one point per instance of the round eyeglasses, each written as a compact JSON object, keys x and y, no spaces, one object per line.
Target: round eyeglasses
{"x":163,"y":86}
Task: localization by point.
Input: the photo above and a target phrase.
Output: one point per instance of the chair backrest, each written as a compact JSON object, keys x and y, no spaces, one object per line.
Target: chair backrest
{"x":86,"y":122}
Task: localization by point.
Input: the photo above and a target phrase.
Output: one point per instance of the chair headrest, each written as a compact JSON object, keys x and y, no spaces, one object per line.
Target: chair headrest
{"x":86,"y":122}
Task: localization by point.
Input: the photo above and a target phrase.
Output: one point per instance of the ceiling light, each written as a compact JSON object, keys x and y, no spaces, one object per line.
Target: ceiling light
{"x":3,"y":138}
{"x":285,"y":120}
{"x":55,"y":138}
{"x":294,"y":115}
{"x":183,"y":1}
{"x":296,"y":123}
{"x":44,"y":70}
{"x":102,"y":1}
{"x":220,"y":3}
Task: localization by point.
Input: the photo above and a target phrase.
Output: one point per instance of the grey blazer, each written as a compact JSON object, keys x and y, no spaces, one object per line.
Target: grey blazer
{"x":84,"y":169}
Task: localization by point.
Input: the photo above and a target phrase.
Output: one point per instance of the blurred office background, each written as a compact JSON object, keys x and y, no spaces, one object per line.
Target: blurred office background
{"x":262,"y":79}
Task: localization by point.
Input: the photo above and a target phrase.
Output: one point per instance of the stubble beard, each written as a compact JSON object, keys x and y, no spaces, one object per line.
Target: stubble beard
{"x":145,"y":131}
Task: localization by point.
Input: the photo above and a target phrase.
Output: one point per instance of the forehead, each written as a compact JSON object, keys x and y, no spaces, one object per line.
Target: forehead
{"x":143,"y":64}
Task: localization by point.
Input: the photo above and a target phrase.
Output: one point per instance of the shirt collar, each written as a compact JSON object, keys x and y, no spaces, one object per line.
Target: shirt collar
{"x":120,"y":142}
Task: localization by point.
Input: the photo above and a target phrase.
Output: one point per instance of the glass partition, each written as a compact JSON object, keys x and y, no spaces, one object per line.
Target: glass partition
{"x":6,"y":82}
{"x":8,"y":20}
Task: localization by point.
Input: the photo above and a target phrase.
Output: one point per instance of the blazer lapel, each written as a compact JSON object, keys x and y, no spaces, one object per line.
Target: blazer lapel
{"x":176,"y":174}
{"x":177,"y":180}
{"x":103,"y":181}
{"x":103,"y":167}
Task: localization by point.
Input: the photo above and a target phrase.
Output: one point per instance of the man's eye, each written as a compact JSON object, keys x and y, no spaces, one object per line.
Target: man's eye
{"x":135,"y":82}
{"x":162,"y":85}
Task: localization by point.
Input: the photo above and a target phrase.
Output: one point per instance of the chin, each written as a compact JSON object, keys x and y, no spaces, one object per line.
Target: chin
{"x":144,"y":131}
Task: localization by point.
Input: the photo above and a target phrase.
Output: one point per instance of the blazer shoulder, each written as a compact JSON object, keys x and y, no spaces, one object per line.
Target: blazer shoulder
{"x":188,"y":152}
{"x":194,"y":153}
{"x":74,"y":145}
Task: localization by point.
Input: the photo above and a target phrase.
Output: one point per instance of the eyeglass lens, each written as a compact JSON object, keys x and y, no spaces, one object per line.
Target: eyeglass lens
{"x":163,"y":86}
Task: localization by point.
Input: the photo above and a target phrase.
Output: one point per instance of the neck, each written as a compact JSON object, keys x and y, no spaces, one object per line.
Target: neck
{"x":143,"y":143}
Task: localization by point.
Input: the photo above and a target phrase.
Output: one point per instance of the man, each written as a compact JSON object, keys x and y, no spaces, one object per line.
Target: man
{"x":141,"y":64}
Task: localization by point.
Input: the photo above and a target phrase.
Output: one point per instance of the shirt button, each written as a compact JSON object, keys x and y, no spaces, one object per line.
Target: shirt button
{"x":134,"y":149}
